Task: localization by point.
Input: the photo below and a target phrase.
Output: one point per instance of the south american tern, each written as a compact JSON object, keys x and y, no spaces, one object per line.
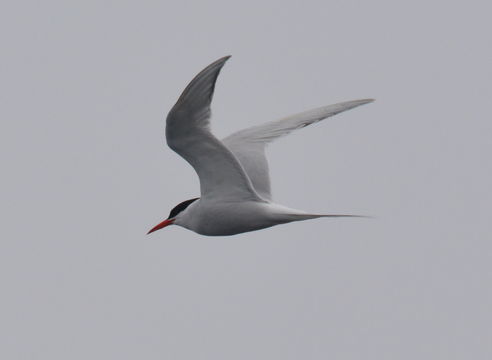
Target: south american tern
{"x":235,"y":194}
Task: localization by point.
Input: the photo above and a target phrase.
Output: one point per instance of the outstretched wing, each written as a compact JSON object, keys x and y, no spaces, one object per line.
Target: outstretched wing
{"x":188,"y":134}
{"x":248,"y":145}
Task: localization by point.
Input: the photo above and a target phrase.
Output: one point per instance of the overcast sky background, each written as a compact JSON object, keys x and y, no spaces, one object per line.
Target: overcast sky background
{"x":84,"y":91}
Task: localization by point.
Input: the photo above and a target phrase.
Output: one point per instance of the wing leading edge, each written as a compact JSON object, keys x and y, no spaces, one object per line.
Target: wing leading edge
{"x":188,"y":134}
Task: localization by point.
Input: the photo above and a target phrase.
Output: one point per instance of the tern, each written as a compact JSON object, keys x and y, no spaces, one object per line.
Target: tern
{"x":235,"y":195}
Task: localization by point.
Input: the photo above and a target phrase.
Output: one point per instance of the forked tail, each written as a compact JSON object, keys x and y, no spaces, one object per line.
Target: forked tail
{"x":283,"y":214}
{"x":300,"y":217}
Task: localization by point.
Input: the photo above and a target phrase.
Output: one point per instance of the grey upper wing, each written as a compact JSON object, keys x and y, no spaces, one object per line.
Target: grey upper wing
{"x":248,"y":145}
{"x":188,"y":134}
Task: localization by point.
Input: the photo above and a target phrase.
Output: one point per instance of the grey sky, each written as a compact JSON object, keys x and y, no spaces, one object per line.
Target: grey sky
{"x":84,"y":91}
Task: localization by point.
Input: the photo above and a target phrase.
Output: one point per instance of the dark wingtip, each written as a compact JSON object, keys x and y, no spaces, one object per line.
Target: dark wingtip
{"x":222,"y":60}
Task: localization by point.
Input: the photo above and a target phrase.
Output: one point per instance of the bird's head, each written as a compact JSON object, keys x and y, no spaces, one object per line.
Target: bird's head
{"x":173,"y":215}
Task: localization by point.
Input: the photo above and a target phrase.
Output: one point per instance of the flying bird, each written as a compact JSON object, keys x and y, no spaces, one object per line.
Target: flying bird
{"x":235,"y":194}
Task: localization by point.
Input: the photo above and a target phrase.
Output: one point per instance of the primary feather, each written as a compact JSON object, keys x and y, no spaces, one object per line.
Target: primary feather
{"x":249,"y":145}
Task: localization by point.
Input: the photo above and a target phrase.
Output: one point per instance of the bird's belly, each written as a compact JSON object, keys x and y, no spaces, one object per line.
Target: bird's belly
{"x":231,"y":219}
